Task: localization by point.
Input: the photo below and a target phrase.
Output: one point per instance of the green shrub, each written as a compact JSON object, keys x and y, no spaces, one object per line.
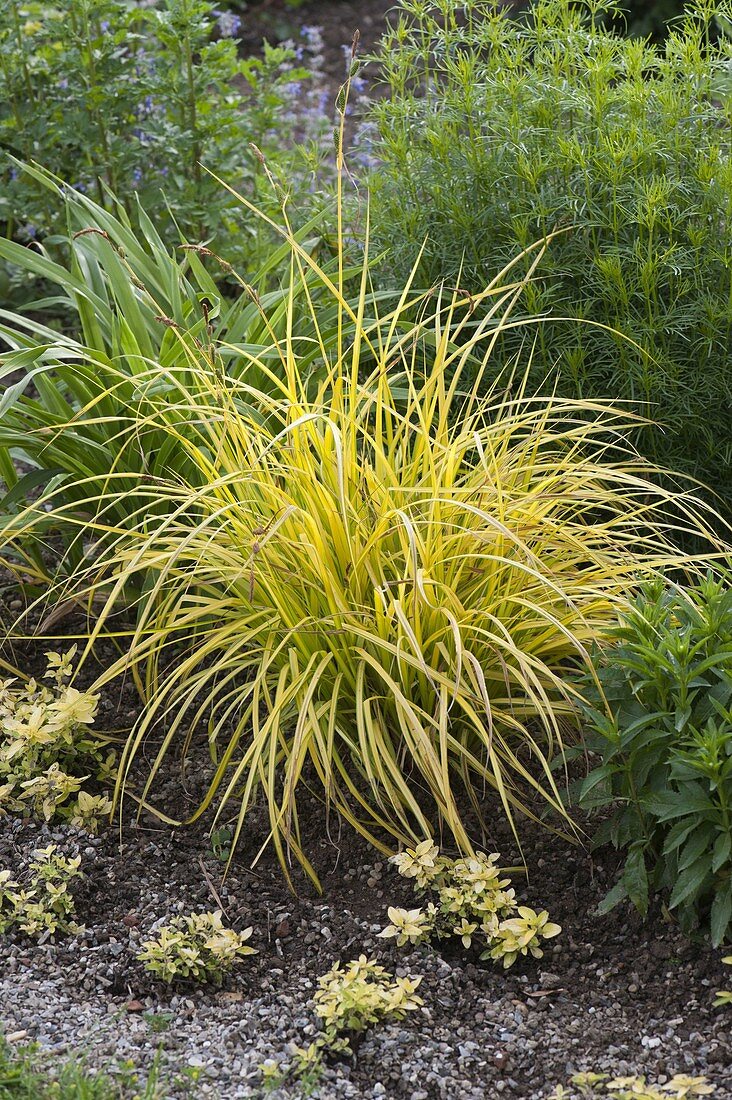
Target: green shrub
{"x":498,"y":130}
{"x":111,"y":95}
{"x":196,"y":947}
{"x":46,"y":750}
{"x":362,"y":993}
{"x":350,"y":999}
{"x":665,"y":751}
{"x":41,"y":902}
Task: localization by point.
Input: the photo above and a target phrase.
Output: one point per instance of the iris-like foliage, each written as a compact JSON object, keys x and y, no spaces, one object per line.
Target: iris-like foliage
{"x":80,"y":409}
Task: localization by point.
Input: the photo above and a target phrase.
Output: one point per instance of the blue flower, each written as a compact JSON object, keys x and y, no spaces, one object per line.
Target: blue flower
{"x":313,"y":37}
{"x":229,"y":24}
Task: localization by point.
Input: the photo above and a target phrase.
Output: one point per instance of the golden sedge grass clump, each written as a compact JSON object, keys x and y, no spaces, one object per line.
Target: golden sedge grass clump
{"x":372,"y":578}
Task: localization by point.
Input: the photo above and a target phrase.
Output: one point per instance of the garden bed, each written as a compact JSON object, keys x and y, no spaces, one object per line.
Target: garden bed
{"x":431,"y":591}
{"x":611,"y":994}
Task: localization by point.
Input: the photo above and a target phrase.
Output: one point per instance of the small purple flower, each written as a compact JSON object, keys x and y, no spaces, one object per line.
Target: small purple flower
{"x":104,"y":26}
{"x":293,"y":88}
{"x":313,"y":37}
{"x":63,"y":83}
{"x":229,"y":24}
{"x":137,"y":175}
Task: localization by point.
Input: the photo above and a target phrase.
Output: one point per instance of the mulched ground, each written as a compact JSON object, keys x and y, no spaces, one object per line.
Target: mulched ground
{"x":611,"y":993}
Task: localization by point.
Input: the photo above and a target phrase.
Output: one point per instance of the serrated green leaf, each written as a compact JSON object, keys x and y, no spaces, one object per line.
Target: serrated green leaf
{"x":697,"y":843}
{"x":677,"y":835}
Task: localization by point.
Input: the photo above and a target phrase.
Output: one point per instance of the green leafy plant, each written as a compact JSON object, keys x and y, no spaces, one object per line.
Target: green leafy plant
{"x":662,"y":730}
{"x":724,"y":996}
{"x":195,"y":947}
{"x":136,"y":99}
{"x":158,"y":1022}
{"x":27,"y":1073}
{"x":46,"y":748}
{"x":468,"y":899}
{"x":40,"y":903}
{"x":221,"y":843}
{"x":497,"y":130}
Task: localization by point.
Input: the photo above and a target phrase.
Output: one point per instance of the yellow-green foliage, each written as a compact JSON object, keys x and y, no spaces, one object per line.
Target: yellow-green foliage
{"x":368,"y":574}
{"x":361,"y":994}
{"x":680,"y":1087}
{"x":349,"y":1000}
{"x":469,"y":899}
{"x":45,"y":748}
{"x":40,"y":903}
{"x":197,"y":947}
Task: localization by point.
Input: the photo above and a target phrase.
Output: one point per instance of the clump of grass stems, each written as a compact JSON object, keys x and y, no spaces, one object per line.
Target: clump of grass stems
{"x":377,"y":580}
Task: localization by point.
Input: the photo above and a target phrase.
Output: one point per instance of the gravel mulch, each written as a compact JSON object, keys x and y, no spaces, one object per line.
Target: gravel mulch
{"x":611,"y":994}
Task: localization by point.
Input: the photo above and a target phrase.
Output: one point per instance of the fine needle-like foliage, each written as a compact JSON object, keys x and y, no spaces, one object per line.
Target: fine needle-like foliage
{"x":374,"y":585}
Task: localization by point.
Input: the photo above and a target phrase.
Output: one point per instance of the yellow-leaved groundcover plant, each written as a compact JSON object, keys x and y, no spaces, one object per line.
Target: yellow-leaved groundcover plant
{"x":373,"y":579}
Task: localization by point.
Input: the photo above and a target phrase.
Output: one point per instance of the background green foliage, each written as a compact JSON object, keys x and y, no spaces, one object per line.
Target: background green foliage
{"x":108,"y":95}
{"x":500,"y":130}
{"x":666,"y":751}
